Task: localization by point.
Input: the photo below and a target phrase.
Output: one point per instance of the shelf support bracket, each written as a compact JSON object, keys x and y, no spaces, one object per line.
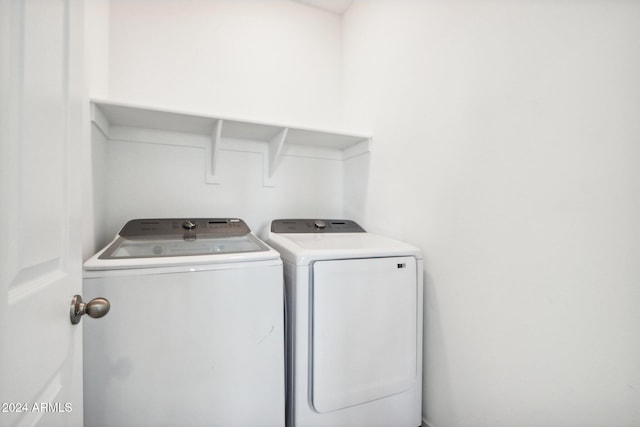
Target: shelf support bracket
{"x":214,"y":149}
{"x":99,"y":119}
{"x":274,"y":156}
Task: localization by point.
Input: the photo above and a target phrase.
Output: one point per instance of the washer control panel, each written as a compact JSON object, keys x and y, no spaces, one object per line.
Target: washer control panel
{"x":179,"y":227}
{"x":315,"y":226}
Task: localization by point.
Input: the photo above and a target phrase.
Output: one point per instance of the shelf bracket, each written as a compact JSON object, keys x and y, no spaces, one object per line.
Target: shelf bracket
{"x":99,"y":119}
{"x":274,"y":156}
{"x":212,"y":155}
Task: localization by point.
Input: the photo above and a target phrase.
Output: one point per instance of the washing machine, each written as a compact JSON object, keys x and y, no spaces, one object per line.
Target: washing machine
{"x":195,"y":333}
{"x":354,"y":325}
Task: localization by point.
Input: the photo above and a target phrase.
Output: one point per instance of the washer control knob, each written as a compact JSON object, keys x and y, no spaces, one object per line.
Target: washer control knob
{"x":189,"y":225}
{"x":320,"y":224}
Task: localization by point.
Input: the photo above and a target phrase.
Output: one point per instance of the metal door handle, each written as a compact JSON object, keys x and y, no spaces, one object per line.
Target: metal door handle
{"x":96,"y":308}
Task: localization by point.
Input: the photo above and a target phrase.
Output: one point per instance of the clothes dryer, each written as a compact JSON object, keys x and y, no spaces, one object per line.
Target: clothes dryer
{"x":354,"y":325}
{"x":195,"y":335}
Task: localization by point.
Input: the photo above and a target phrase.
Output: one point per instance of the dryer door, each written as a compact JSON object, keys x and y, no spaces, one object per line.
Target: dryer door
{"x":364,"y":315}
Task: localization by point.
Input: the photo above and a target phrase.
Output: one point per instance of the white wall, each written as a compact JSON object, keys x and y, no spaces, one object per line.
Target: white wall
{"x":273,"y":60}
{"x":168,"y":181}
{"x":96,"y":53}
{"x":506,"y":147}
{"x":96,"y":62}
{"x":276,"y":61}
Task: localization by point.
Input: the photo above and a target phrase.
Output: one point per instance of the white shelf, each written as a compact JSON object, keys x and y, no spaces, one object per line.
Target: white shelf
{"x":133,"y":121}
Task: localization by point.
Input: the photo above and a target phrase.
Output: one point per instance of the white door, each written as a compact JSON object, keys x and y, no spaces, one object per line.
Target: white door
{"x":40,"y":245}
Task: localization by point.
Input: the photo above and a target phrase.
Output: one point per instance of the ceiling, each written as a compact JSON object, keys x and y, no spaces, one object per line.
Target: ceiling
{"x":335,"y":6}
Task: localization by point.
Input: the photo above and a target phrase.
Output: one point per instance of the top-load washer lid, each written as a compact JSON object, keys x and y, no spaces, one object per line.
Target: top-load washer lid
{"x":172,"y":241}
{"x":302,"y":241}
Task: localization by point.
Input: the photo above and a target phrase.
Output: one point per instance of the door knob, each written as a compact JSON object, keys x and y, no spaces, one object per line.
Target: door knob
{"x":96,"y":308}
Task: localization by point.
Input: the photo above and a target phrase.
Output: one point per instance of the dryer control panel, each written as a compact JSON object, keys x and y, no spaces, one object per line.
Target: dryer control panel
{"x":315,"y":226}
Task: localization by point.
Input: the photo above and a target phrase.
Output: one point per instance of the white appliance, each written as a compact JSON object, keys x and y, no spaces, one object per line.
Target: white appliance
{"x":195,"y":334}
{"x":354,"y":322}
